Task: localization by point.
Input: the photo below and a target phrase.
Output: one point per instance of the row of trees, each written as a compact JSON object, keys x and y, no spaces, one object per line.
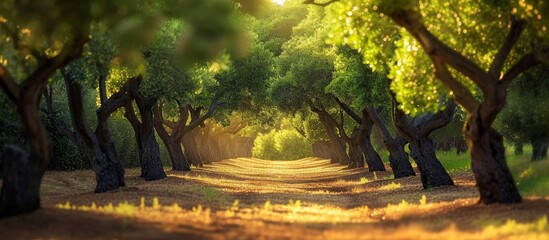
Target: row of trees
{"x":191,"y":71}
{"x":171,"y":78}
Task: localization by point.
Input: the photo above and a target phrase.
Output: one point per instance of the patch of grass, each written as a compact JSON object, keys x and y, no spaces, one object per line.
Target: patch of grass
{"x":512,"y":227}
{"x":211,"y":195}
{"x":364,"y":180}
{"x":532,"y":177}
{"x":391,"y":186}
{"x":453,"y":162}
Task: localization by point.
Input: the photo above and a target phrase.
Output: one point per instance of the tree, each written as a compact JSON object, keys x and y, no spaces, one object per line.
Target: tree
{"x":520,"y":122}
{"x":232,"y":81}
{"x":305,"y":69}
{"x":368,"y":91}
{"x":482,"y":61}
{"x":24,"y":167}
{"x":49,"y":42}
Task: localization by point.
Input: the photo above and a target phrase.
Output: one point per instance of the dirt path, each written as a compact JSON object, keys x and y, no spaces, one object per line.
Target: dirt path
{"x":258,"y":199}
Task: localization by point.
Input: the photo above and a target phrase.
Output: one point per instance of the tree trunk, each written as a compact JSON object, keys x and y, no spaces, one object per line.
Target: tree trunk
{"x":398,"y":158}
{"x":493,"y":177}
{"x":422,"y":151}
{"x":24,"y":169}
{"x":191,"y":149}
{"x":149,"y":151}
{"x":372,"y":157}
{"x":178,"y":158}
{"x":356,"y":158}
{"x":339,"y":153}
{"x":21,"y":182}
{"x":432,"y":172}
{"x":109,"y":172}
{"x":539,"y":149}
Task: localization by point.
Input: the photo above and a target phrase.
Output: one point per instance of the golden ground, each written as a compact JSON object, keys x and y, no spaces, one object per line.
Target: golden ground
{"x":259,"y":199}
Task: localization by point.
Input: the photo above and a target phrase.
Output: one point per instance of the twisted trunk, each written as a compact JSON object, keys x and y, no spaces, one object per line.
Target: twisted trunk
{"x":494,"y":179}
{"x":372,"y":157}
{"x":422,"y":151}
{"x":172,"y":141}
{"x":24,"y":168}
{"x":109,"y":172}
{"x":149,"y":151}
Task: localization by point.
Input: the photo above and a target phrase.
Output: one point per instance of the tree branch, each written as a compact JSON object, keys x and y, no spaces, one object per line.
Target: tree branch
{"x":348,"y":110}
{"x":312,"y":2}
{"x":159,"y":122}
{"x":200,"y":120}
{"x":462,"y":95}
{"x":371,"y":113}
{"x":438,"y":120}
{"x":132,"y":117}
{"x":517,"y":27}
{"x":121,"y":98}
{"x":436,"y":49}
{"x":526,"y":62}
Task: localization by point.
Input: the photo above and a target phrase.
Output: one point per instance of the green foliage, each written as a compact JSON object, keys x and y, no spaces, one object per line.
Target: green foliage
{"x":274,"y":25}
{"x":524,"y":118}
{"x":124,"y":140}
{"x":356,"y":82}
{"x":305,"y":66}
{"x":66,"y":156}
{"x":475,"y":29}
{"x":282,"y":144}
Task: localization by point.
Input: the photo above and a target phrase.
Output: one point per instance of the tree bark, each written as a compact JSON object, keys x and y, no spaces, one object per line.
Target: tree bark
{"x":149,"y":151}
{"x":109,"y":172}
{"x":422,"y":151}
{"x":339,"y":154}
{"x":172,"y":141}
{"x":24,"y":169}
{"x":372,"y":157}
{"x":494,"y":179}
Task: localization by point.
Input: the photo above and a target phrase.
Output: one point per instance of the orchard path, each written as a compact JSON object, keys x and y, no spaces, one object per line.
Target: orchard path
{"x":258,"y":199}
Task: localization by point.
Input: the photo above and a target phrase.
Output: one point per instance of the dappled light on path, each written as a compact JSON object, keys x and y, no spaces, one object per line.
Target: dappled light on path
{"x":303,"y":199}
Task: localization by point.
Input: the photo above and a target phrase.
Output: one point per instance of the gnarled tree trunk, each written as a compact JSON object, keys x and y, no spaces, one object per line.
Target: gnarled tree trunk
{"x":99,"y":147}
{"x":398,"y":158}
{"x":24,"y":168}
{"x":422,"y":151}
{"x":149,"y":151}
{"x":364,"y":137}
{"x":494,"y":179}
{"x":372,"y":157}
